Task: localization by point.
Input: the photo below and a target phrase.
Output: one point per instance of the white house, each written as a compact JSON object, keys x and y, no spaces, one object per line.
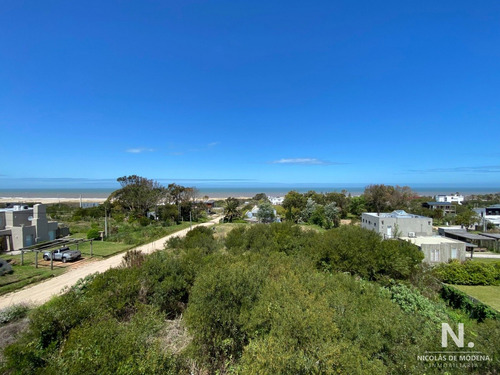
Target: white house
{"x":396,"y":224}
{"x":457,"y":198}
{"x":252,"y":215}
{"x":490,"y":214}
{"x":438,"y":249}
{"x":276,"y":201}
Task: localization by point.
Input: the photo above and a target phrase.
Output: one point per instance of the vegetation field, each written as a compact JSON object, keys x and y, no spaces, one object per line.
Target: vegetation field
{"x":488,"y":294}
{"x":252,"y":299}
{"x":221,"y":230}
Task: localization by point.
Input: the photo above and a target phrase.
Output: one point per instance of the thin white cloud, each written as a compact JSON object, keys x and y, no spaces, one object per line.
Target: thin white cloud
{"x":212,"y":144}
{"x":139,"y":150}
{"x":303,"y":161}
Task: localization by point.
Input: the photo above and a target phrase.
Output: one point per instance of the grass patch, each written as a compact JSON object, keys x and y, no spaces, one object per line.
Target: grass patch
{"x":221,"y":230}
{"x":313,"y":227}
{"x":488,"y":294}
{"x":136,"y":234}
{"x":27,"y":274}
{"x":103,"y":248}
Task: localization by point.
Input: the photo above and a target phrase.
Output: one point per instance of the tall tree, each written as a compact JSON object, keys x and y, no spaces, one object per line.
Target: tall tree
{"x":294,"y":203}
{"x":266,"y":213}
{"x":332,"y":214}
{"x":231,"y":209}
{"x":138,"y":194}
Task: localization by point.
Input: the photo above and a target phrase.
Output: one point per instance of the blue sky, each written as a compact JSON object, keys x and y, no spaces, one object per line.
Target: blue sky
{"x":250,"y":91}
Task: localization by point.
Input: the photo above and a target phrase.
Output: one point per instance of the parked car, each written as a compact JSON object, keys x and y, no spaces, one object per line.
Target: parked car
{"x":64,"y":253}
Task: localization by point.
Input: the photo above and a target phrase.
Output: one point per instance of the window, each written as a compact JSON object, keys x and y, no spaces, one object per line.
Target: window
{"x":454,"y":254}
{"x":435,"y":255}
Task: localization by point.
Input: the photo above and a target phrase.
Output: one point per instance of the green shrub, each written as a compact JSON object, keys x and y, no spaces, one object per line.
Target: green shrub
{"x":360,"y":251}
{"x":222,"y":297}
{"x":166,"y":282}
{"x":12,"y":313}
{"x":468,"y":273}
{"x":410,"y":300}
{"x":93,"y":234}
{"x":111,"y":347}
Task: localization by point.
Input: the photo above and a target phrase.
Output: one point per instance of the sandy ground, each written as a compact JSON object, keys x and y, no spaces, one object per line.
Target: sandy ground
{"x":40,"y":293}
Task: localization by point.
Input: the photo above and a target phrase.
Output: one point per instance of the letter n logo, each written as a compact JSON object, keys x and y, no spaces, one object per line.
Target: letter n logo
{"x":446,"y":329}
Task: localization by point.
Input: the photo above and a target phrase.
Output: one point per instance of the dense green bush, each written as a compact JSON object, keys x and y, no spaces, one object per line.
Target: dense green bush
{"x":468,"y":273}
{"x":110,"y":347}
{"x":412,"y":301}
{"x":165,"y":282}
{"x":93,"y":234}
{"x":222,"y":297}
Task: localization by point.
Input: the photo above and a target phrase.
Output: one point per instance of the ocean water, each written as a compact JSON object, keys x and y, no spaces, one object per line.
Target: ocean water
{"x":240,"y":191}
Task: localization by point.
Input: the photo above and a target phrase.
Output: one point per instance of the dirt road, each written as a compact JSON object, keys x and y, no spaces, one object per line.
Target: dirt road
{"x":40,"y":293}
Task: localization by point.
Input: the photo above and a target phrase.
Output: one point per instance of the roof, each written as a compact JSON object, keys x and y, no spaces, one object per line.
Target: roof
{"x":492,"y":235}
{"x":439,"y":203}
{"x":465,"y":234}
{"x":399,"y":214}
{"x":16,"y":209}
{"x":431,"y":240}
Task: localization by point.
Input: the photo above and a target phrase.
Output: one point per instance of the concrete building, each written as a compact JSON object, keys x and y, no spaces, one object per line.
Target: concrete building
{"x":22,"y":226}
{"x":397,"y":224}
{"x":457,"y":198}
{"x":446,"y":207}
{"x":438,"y":249}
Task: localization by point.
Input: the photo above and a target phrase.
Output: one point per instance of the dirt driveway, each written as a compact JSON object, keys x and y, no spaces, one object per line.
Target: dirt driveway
{"x":40,"y":293}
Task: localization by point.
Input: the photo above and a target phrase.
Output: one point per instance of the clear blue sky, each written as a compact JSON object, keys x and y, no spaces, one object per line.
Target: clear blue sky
{"x":256,"y":91}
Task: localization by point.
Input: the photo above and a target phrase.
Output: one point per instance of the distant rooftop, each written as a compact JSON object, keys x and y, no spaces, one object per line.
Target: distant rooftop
{"x":399,"y":214}
{"x":464,"y":234}
{"x":17,"y":207}
{"x":431,"y":240}
{"x":439,"y":203}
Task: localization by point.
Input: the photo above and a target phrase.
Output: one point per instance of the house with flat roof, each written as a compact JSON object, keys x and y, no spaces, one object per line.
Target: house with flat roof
{"x":438,"y":249}
{"x":22,"y":226}
{"x":446,"y":207}
{"x":457,"y":198}
{"x":489,"y":215}
{"x":397,"y":224}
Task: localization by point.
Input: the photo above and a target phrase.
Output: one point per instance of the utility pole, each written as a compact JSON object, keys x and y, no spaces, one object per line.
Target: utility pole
{"x":105,"y":222}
